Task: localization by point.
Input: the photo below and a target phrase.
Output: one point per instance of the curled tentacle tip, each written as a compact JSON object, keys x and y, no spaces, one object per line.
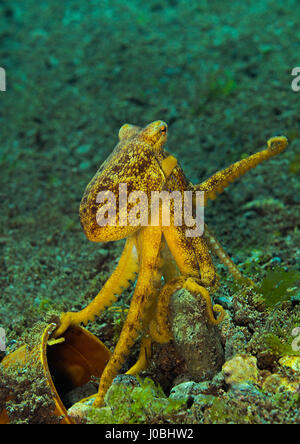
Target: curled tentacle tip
{"x":277,"y":143}
{"x":219,"y":309}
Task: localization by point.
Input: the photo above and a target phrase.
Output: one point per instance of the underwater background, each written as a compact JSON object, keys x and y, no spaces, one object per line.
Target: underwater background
{"x":219,"y":73}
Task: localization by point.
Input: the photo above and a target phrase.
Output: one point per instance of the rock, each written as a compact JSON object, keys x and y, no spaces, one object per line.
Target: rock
{"x":184,"y":391}
{"x":241,"y":369}
{"x":275,"y":382}
{"x":291,"y":361}
{"x":79,"y":412}
{"x":127,"y":381}
{"x":196,"y":340}
{"x":246,"y":392}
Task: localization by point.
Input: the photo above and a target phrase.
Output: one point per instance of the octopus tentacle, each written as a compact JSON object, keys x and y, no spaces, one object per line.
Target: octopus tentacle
{"x":159,"y":330}
{"x":125,"y":272}
{"x":138,"y":307}
{"x":144,"y":356}
{"x":192,"y":286}
{"x":220,"y":180}
{"x":217,"y":248}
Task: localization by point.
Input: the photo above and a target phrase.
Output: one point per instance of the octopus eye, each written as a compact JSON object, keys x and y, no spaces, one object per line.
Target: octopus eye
{"x":163,"y":129}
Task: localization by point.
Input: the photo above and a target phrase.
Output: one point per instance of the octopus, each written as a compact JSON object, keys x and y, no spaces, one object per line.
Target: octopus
{"x":161,"y":257}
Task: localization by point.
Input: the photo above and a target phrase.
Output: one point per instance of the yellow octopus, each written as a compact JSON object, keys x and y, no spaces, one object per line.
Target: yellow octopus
{"x":162,"y":256}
